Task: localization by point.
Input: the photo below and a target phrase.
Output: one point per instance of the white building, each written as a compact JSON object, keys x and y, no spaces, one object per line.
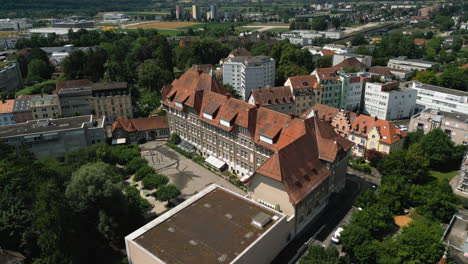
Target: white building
{"x":306,"y":37}
{"x":352,"y":88}
{"x":115,"y":17}
{"x":339,"y":49}
{"x":389,"y":101}
{"x":440,"y":98}
{"x":247,"y":73}
{"x":338,"y":58}
{"x":15,"y":24}
{"x":403,"y":63}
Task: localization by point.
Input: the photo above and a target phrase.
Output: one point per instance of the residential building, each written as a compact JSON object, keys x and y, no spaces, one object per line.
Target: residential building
{"x":306,"y":91}
{"x":74,"y":24}
{"x":326,"y":52}
{"x":389,"y":101}
{"x":239,"y":231}
{"x":440,"y":98}
{"x":306,"y":37}
{"x":403,"y":63}
{"x":453,"y":124}
{"x":135,"y":129}
{"x":462,"y":180}
{"x":352,"y":90}
{"x":337,"y":48}
{"x":364,"y":131}
{"x":111,"y":99}
{"x":6,"y":112}
{"x":279,"y":99}
{"x":10,"y":77}
{"x":8,"y":42}
{"x":289,"y":164}
{"x":196,"y":12}
{"x":338,"y":58}
{"x":17,"y":24}
{"x":75,"y":97}
{"x":247,"y":73}
{"x":213,"y":12}
{"x":21,"y":110}
{"x":45,"y":106}
{"x":177,"y":12}
{"x":54,"y":137}
{"x":384,"y":73}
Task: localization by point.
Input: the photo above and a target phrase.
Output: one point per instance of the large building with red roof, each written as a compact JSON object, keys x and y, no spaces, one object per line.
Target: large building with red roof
{"x":136,"y":129}
{"x":290,"y":164}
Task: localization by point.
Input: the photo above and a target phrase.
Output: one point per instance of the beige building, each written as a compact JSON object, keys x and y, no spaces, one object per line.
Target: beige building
{"x":280,"y":99}
{"x":307,"y":92}
{"x":45,"y":106}
{"x":453,"y":124}
{"x":85,"y":97}
{"x":214,"y":226}
{"x":289,"y":164}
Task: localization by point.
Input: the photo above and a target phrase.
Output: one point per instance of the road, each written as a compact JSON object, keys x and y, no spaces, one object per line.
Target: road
{"x":333,"y":215}
{"x":261,"y":28}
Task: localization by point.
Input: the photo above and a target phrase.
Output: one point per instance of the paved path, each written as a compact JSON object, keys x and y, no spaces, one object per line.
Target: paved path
{"x":187,"y":175}
{"x":261,"y":28}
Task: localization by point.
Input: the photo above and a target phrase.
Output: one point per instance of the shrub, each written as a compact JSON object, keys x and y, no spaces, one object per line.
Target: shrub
{"x":179,"y":150}
{"x":167,"y":192}
{"x":142,"y":172}
{"x":374,"y":156}
{"x":125,"y":153}
{"x":154,"y":181}
{"x":135,"y":164}
{"x":133,"y":194}
{"x":175,"y":138}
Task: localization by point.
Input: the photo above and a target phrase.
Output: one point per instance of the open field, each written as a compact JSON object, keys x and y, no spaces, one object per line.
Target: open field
{"x":163,"y":25}
{"x":269,"y":27}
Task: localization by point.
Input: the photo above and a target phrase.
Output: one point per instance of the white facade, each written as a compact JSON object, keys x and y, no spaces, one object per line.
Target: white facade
{"x":306,"y":37}
{"x":338,"y":58}
{"x":115,"y":17}
{"x":14,"y":24}
{"x":352,"y":89}
{"x":440,"y":98}
{"x":392,"y":104}
{"x":406,"y":64}
{"x":247,"y":73}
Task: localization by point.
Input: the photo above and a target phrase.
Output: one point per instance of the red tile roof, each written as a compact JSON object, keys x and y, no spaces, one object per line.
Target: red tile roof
{"x":463,"y":66}
{"x":6,"y":106}
{"x":140,"y":124}
{"x":303,"y":81}
{"x":384,"y":71}
{"x":327,"y":52}
{"x":419,"y":41}
{"x":351,"y":62}
{"x":298,"y":145}
{"x":272,"y":95}
{"x":328,"y":73}
{"x":388,"y":132}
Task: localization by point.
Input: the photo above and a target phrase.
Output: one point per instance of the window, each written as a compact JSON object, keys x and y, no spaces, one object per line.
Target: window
{"x":208,"y":116}
{"x":266,"y":139}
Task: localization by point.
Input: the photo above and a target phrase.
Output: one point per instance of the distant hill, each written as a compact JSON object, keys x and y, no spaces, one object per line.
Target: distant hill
{"x":73,"y":4}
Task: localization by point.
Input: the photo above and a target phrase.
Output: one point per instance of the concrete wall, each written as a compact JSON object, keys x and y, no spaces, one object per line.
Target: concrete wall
{"x":137,"y":255}
{"x":271,"y":191}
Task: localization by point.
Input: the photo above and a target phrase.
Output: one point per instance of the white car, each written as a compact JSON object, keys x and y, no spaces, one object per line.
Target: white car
{"x":403,"y":128}
{"x":336,"y":236}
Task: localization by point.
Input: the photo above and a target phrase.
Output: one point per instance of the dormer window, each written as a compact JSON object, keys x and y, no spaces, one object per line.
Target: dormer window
{"x":208,"y":116}
{"x":266,"y":139}
{"x":224,"y":122}
{"x":179,"y":105}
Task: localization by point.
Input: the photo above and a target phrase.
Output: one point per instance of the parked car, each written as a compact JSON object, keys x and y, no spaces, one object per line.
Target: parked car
{"x":403,"y":128}
{"x":336,"y":236}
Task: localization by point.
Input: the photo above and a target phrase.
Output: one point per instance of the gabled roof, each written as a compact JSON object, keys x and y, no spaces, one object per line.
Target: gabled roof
{"x":240,"y":52}
{"x":380,"y":70}
{"x":328,"y":73}
{"x":140,"y":124}
{"x":388,"y":132}
{"x":351,"y":62}
{"x":327,"y":52}
{"x":272,"y":95}
{"x":303,"y":81}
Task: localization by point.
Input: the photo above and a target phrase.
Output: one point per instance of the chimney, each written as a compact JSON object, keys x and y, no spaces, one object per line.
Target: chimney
{"x":292,"y":115}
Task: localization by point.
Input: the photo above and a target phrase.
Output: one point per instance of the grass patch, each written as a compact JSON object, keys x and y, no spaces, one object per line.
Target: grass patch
{"x":213,"y":25}
{"x":443,"y":176}
{"x":278,"y":30}
{"x":170,"y":32}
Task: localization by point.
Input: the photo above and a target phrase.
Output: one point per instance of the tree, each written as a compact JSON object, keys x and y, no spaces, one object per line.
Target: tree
{"x":359,"y":40}
{"x":427,"y":77}
{"x":320,"y":255}
{"x":324,"y":62}
{"x":151,"y":76}
{"x":374,"y":156}
{"x":319,"y":23}
{"x":413,"y":137}
{"x":375,"y":218}
{"x":438,"y":148}
{"x":285,"y":71}
{"x":154,"y":181}
{"x":142,"y":172}
{"x":454,"y":78}
{"x":175,"y":138}
{"x":167,"y":192}
{"x":135,"y":164}
{"x":38,"y":71}
{"x":357,"y":242}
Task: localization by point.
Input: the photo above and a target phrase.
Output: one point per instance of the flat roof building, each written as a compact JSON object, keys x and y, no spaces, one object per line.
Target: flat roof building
{"x":214,"y":226}
{"x":403,"y":63}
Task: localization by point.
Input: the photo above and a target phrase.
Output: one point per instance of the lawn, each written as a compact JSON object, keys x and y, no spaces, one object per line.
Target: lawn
{"x":170,"y":33}
{"x":165,"y":25}
{"x":209,"y":25}
{"x":444,"y":176}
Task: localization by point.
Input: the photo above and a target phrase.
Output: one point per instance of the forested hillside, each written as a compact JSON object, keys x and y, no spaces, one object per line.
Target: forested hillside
{"x":73,"y":4}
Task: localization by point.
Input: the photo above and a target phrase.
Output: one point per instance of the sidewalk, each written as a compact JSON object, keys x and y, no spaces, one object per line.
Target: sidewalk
{"x":375,"y":177}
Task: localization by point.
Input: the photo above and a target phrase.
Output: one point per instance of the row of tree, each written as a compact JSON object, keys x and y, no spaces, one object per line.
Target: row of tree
{"x":75,"y":212}
{"x":407,"y":183}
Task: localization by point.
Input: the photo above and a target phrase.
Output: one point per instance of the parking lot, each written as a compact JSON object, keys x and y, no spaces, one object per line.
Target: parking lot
{"x":187,"y":175}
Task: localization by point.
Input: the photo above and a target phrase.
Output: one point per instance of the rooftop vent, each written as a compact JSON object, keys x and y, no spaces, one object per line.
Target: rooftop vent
{"x":222,"y":258}
{"x":261,"y":220}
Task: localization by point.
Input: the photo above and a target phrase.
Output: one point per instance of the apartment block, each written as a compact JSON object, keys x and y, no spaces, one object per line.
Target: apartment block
{"x":85,"y":97}
{"x":403,"y":63}
{"x":441,"y":98}
{"x":10,"y":77}
{"x":17,"y":24}
{"x":247,"y":73}
{"x":196,"y":12}
{"x":279,"y":99}
{"x":45,"y":106}
{"x":238,"y":230}
{"x":389,"y":101}
{"x":6,"y":112}
{"x":306,"y":90}
{"x":364,"y":131}
{"x":453,"y":124}
{"x":21,"y":110}
{"x":289,"y":164}
{"x":54,"y":137}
